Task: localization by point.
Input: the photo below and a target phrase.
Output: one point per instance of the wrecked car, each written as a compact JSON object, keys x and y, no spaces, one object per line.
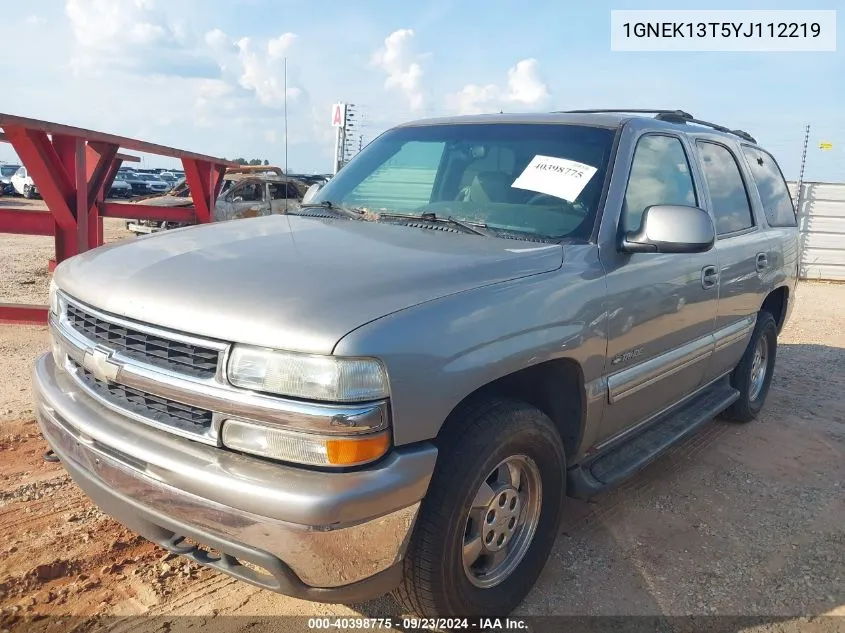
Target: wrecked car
{"x":246,"y":193}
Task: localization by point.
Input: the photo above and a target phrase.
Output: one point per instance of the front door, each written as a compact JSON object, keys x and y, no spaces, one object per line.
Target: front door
{"x":244,"y":200}
{"x":661,"y":307}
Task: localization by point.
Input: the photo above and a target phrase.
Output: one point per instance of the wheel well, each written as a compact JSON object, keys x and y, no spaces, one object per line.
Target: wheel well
{"x":555,"y":387}
{"x":775,"y":304}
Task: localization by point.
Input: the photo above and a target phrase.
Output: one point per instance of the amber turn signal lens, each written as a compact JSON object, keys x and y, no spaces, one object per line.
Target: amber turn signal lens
{"x":351,"y":451}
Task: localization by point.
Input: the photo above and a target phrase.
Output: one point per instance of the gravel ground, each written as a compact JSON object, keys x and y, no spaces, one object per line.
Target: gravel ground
{"x":737,"y":521}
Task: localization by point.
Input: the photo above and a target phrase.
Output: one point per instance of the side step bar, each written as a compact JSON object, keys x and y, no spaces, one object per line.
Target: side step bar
{"x":611,"y":467}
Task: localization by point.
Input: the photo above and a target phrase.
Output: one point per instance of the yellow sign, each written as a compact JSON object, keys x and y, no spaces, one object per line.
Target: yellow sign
{"x":825,"y":145}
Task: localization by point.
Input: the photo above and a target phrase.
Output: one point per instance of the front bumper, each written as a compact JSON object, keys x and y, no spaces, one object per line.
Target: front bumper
{"x":328,"y":537}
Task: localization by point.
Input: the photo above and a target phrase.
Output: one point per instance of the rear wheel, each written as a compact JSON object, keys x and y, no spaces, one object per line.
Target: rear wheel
{"x":491,"y":515}
{"x":752,"y":376}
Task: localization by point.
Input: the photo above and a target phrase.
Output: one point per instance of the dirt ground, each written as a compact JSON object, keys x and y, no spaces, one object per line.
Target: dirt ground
{"x":737,"y":521}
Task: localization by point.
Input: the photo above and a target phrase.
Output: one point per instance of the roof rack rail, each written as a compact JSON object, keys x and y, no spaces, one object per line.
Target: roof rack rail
{"x":671,"y":116}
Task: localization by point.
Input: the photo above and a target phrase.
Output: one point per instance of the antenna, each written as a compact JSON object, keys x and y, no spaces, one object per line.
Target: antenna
{"x":286,"y":134}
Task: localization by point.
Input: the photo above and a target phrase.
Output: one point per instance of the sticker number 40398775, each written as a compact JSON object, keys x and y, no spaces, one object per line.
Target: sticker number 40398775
{"x":557,"y":177}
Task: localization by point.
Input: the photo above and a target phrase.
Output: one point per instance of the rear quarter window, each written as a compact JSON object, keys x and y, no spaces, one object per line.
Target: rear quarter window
{"x":770,"y":183}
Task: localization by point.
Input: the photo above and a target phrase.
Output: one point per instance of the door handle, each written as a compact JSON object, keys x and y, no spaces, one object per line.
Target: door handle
{"x":709,"y":277}
{"x":762,"y":262}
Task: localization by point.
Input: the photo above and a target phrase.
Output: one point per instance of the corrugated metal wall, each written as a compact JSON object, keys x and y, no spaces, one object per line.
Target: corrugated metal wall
{"x":821,"y":219}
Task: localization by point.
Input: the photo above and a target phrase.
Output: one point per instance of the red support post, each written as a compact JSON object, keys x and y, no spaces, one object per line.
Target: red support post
{"x":99,"y":174}
{"x":198,"y":176}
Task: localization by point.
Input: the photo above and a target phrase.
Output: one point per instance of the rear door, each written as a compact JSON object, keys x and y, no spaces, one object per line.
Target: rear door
{"x":742,"y":247}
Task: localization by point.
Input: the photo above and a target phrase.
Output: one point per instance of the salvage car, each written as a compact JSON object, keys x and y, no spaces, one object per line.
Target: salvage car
{"x":7,"y":170}
{"x":395,"y":386}
{"x":120,"y":188}
{"x":23,"y":184}
{"x":244,"y":194}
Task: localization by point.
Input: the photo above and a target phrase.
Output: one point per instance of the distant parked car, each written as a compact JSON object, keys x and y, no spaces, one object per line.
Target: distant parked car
{"x":170,"y":178}
{"x":6,"y":173}
{"x":157,"y":184}
{"x":120,"y":188}
{"x":23,"y":184}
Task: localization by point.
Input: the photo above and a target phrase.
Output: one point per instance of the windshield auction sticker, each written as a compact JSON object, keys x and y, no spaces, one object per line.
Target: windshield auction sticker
{"x":557,"y":177}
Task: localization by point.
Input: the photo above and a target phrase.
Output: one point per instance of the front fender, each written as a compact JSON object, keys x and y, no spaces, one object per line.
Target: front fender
{"x":439,"y":352}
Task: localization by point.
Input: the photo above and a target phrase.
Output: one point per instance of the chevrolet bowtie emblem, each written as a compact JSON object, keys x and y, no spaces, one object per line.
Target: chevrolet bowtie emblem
{"x":98,"y":362}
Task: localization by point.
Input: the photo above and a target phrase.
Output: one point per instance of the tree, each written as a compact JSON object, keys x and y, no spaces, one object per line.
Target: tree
{"x":255,"y":161}
{"x":241,"y":161}
{"x":266,"y":162}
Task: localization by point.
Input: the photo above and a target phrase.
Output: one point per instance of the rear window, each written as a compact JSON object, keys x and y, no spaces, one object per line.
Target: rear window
{"x":774,"y":193}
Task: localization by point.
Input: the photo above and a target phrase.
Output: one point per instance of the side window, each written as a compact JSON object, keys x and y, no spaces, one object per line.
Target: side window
{"x":777,"y":203}
{"x":249,"y":192}
{"x":406,"y":180}
{"x":731,"y":208}
{"x":280,"y":191}
{"x":660,"y":174}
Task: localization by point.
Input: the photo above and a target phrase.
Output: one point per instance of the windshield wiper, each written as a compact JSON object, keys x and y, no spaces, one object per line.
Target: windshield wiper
{"x":331,"y":206}
{"x":470,"y":227}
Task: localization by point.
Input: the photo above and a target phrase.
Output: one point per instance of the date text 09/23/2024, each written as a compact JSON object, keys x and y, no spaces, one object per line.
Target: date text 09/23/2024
{"x":413,"y":623}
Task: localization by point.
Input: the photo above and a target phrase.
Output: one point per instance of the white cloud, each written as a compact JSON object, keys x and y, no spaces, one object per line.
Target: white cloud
{"x":404,"y":72}
{"x":525,"y":89}
{"x":256,"y":67}
{"x":133,"y":36}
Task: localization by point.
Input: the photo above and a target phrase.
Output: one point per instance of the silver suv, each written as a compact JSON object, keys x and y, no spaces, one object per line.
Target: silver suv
{"x":395,"y":386}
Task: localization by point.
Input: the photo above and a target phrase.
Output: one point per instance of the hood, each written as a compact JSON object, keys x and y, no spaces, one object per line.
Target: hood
{"x":290,"y":282}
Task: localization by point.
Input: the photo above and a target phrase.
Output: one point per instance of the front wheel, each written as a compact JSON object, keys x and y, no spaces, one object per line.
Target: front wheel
{"x":491,"y":515}
{"x":27,"y":192}
{"x":752,"y":376}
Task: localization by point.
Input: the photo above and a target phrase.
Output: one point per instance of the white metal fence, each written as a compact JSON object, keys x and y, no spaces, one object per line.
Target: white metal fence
{"x":821,"y":220}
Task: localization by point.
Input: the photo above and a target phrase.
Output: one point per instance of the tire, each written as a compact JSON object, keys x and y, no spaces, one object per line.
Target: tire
{"x":752,"y":394}
{"x":27,"y":192}
{"x":480,"y":438}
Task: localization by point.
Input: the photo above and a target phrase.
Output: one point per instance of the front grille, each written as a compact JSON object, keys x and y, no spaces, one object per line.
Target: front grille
{"x":180,"y":416}
{"x":193,"y":360}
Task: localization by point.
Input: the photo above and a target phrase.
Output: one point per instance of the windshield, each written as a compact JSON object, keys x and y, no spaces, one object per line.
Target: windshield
{"x":539,"y":179}
{"x":8,"y":170}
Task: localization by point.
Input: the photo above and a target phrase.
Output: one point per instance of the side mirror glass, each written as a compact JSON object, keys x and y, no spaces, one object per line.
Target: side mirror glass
{"x":311,"y":192}
{"x":671,"y":229}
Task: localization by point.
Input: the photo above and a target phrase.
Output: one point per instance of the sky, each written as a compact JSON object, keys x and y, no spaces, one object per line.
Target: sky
{"x":209,"y":75}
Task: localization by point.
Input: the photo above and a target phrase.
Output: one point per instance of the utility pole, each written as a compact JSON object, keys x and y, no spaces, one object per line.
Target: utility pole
{"x":801,"y":172}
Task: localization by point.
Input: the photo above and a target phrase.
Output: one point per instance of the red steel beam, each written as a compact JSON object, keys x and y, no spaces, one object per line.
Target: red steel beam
{"x":9,"y":120}
{"x":147,"y":212}
{"x":26,"y":222}
{"x":19,"y":313}
{"x":198,"y":176}
{"x":42,"y":161}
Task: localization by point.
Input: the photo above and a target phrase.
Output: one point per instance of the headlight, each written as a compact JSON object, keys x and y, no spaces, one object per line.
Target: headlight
{"x":303,"y":448}
{"x":54,"y":298}
{"x":307,"y":376}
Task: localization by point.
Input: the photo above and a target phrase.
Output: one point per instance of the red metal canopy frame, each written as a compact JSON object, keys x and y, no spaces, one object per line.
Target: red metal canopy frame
{"x":73,"y":168}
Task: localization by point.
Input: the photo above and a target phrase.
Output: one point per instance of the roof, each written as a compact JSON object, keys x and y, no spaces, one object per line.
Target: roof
{"x":597,"y":120}
{"x":606,"y":119}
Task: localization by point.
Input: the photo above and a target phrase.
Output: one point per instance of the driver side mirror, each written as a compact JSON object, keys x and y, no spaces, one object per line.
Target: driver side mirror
{"x":311,"y":192}
{"x":669,"y":228}
{"x":238,"y":199}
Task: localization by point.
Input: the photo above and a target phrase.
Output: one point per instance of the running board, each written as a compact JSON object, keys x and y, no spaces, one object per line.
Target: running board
{"x":611,"y":467}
